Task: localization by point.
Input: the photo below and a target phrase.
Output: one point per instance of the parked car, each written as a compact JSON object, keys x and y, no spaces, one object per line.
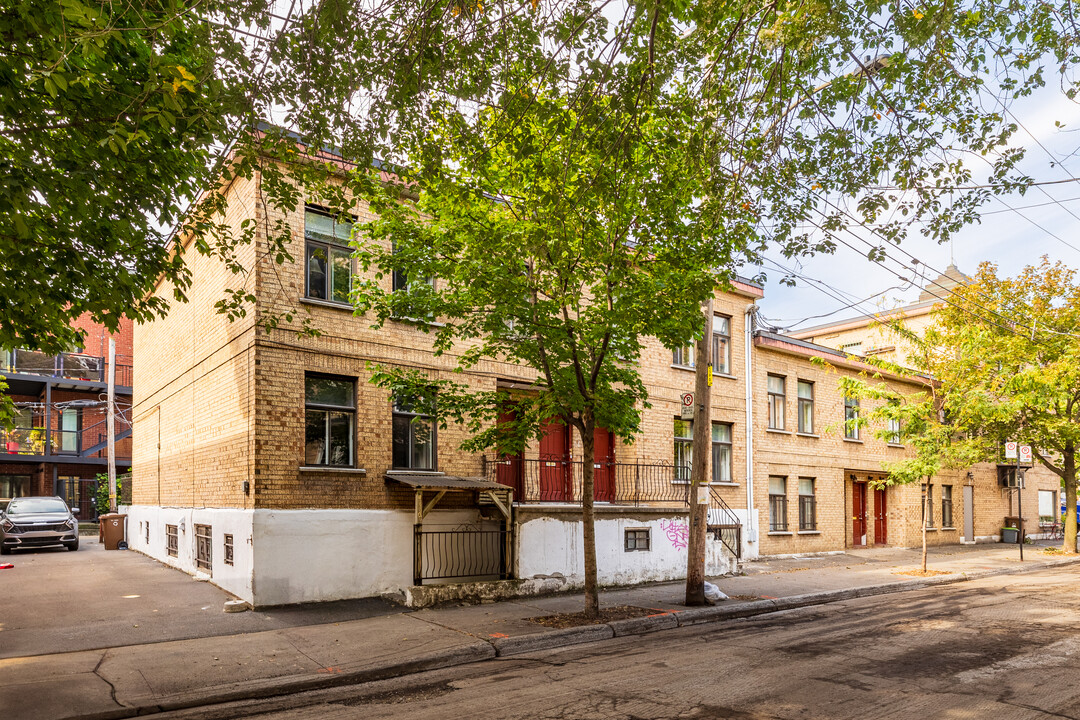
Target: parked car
{"x":38,"y":522}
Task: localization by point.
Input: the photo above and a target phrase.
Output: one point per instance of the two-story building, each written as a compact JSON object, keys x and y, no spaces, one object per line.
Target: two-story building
{"x":58,"y":443}
{"x":267,"y":462}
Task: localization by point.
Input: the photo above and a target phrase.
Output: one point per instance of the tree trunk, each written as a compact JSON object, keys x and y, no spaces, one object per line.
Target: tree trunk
{"x":588,"y":517}
{"x":926,"y":516}
{"x":1069,"y":480}
{"x":699,"y":471}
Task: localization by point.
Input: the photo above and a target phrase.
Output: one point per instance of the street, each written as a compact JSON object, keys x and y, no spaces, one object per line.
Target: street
{"x":1004,"y":647}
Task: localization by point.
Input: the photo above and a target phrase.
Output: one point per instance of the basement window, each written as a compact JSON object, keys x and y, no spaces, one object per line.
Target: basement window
{"x":204,"y":548}
{"x":228,"y":549}
{"x":172,"y":542}
{"x":637,"y":539}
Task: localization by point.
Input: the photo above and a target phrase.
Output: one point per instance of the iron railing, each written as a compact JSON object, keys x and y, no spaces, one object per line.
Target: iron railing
{"x":556,"y":479}
{"x":74,"y":366}
{"x":461,"y":554}
{"x":724,"y":524}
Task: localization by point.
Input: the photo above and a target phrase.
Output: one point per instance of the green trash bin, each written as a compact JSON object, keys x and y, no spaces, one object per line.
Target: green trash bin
{"x":1010,"y":535}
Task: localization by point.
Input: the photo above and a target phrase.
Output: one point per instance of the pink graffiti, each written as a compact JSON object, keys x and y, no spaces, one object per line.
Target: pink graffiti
{"x":678,"y":533}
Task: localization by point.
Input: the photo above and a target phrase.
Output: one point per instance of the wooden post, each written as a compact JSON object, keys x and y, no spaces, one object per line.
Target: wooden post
{"x":699,"y":473}
{"x":110,"y":424}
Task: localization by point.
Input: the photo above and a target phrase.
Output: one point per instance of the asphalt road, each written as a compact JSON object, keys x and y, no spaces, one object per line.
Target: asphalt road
{"x":1005,"y":647}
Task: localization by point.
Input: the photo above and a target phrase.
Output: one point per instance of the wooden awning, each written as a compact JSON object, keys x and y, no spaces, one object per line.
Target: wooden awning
{"x":501,"y":496}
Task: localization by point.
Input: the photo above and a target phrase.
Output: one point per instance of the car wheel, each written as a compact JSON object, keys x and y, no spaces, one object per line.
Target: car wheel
{"x":73,"y":546}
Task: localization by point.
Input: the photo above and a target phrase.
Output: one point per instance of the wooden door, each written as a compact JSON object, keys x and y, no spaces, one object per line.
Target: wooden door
{"x":555,"y":477}
{"x":858,"y":514}
{"x":509,"y":465}
{"x":604,"y":465}
{"x":881,"y":519}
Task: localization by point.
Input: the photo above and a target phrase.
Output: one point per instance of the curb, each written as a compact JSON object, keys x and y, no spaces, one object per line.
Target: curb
{"x":565,"y":637}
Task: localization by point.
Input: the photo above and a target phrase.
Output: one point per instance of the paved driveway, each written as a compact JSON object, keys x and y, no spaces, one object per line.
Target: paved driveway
{"x":55,"y":601}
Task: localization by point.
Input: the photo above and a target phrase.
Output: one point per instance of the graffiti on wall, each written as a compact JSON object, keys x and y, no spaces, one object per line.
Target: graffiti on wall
{"x":678,"y":533}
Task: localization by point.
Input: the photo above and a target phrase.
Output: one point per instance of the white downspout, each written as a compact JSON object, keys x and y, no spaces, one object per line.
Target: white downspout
{"x":751,"y":515}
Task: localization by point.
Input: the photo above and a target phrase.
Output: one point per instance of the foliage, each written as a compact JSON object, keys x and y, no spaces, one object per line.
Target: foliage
{"x":1007,"y":356}
{"x":101,"y":496}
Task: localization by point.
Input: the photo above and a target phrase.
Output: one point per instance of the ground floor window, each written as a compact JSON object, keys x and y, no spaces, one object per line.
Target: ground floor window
{"x":330,"y":408}
{"x":414,"y":437}
{"x":721,"y":453}
{"x":636,"y":539}
{"x":1048,"y":512}
{"x":228,"y":557}
{"x":13,"y":486}
{"x":928,"y":505}
{"x":777,"y":504}
{"x":684,"y":449}
{"x":946,"y":506}
{"x":807,"y":504}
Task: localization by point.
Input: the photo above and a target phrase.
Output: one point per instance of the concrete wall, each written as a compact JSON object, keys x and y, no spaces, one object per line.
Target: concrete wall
{"x":550,"y":542}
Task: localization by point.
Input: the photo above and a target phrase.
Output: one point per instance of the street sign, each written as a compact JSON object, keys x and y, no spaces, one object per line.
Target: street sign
{"x":1025,"y":453}
{"x":687,"y":412}
{"x":703,"y":494}
{"x":1010,"y":451}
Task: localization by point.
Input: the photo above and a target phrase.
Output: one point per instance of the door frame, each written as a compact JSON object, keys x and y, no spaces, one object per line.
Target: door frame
{"x":858,"y":489}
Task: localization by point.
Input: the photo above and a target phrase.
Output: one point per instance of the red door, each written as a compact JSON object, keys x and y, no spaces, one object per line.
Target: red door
{"x":858,"y":519}
{"x":881,"y":521}
{"x":604,"y":465}
{"x":509,"y":465}
{"x":555,"y":463}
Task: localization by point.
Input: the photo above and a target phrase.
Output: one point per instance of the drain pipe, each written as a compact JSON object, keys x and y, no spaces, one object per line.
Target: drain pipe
{"x":751,"y":530}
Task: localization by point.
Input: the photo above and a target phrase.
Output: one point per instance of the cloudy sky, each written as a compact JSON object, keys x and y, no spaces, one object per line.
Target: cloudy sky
{"x":1035,"y":225}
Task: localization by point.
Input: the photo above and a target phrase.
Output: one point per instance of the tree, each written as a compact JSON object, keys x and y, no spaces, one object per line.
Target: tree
{"x":1007,"y":356}
{"x":559,"y":240}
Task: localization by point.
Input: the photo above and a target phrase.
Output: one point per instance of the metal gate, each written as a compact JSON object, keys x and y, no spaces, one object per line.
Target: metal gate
{"x":461,"y":554}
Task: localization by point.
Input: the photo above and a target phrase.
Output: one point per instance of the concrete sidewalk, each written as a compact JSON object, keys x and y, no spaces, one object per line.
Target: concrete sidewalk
{"x":140,"y":679}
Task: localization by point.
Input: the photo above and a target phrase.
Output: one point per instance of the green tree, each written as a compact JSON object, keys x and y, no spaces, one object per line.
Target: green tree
{"x":1007,"y":356}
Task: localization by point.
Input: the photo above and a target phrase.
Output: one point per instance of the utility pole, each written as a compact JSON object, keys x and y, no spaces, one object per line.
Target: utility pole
{"x":1020,"y":502}
{"x":699,"y":471}
{"x":110,"y":425}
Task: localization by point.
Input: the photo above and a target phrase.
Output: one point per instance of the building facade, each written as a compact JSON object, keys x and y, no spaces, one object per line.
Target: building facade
{"x":58,"y":443}
{"x":266,"y":461}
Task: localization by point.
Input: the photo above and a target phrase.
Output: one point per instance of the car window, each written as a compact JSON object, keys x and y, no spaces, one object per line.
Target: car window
{"x":25,"y":506}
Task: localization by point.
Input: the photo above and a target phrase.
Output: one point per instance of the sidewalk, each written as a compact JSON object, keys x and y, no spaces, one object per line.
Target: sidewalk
{"x":140,"y":679}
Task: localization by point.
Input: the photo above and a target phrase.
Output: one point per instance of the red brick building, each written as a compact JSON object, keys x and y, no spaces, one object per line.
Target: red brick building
{"x":57,"y":445}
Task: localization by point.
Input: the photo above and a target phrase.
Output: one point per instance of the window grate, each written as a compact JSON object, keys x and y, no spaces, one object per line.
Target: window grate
{"x":637,"y":540}
{"x":204,"y":547}
{"x":172,"y":541}
{"x":228,"y":549}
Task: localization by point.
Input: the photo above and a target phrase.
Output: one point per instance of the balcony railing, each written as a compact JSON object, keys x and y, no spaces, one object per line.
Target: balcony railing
{"x":555,"y":479}
{"x":89,"y":442}
{"x":74,"y":366}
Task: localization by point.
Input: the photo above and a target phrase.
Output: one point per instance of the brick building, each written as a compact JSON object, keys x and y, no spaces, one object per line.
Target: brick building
{"x":268,"y":462}
{"x":57,"y":445}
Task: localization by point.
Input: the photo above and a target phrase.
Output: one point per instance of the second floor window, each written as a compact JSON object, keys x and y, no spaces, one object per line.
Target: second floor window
{"x":721,"y":345}
{"x":851,"y":418}
{"x":684,"y":449}
{"x":330,"y":421}
{"x":721,"y":453}
{"x":414,"y":437}
{"x":776,"y":402}
{"x":683,"y":356}
{"x":806,"y":407}
{"x":328,"y":257}
{"x":894,"y":431}
{"x":777,"y":504}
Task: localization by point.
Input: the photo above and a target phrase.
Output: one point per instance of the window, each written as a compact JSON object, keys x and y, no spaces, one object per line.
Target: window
{"x":928,"y":503}
{"x":805,"y":391}
{"x":1048,"y":513}
{"x":807,"y":504}
{"x":401,"y":280}
{"x":13,"y":486}
{"x":721,"y":453}
{"x":721,"y":345}
{"x":776,"y":402}
{"x":330,"y":405}
{"x":683,"y":356}
{"x":67,"y":440}
{"x":946,"y":506}
{"x":329,"y":262}
{"x":777,"y":504}
{"x":684,"y":449}
{"x":228,"y":556}
{"x":851,"y":418}
{"x":414,"y":437}
{"x":172,"y":542}
{"x":852,"y":348}
{"x":636,"y":540}
{"x":204,"y":548}
{"x":894,"y":431}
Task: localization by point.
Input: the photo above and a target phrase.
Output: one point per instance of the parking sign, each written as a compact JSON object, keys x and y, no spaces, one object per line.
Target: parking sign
{"x":1010,"y":451}
{"x":1025,"y":453}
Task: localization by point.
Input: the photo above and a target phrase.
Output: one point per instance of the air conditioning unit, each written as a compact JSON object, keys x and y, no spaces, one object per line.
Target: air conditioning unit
{"x":1007,"y":476}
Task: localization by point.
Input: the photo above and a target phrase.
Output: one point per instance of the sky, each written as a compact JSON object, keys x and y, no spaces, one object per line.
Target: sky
{"x":1010,"y":238}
